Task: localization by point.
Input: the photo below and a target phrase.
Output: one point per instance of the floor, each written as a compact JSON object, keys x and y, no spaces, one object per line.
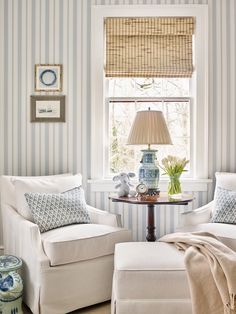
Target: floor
{"x":103,"y":308}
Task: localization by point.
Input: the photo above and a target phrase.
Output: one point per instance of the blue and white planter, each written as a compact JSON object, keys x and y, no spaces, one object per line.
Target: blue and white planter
{"x":11,"y":285}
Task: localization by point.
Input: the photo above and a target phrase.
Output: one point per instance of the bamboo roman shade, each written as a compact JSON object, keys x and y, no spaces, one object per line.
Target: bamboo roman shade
{"x":149,"y":46}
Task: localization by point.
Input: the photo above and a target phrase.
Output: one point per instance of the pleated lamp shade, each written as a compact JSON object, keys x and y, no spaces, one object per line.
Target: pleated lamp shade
{"x":149,"y":127}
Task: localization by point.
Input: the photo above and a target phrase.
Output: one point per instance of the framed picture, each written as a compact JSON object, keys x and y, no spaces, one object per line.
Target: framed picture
{"x":46,"y":108}
{"x":48,"y":77}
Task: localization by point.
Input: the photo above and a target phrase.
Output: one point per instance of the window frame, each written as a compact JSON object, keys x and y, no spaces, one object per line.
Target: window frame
{"x":98,"y":88}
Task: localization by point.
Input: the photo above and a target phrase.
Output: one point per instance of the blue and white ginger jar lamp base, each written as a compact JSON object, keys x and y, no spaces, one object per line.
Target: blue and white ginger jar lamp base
{"x":149,"y":173}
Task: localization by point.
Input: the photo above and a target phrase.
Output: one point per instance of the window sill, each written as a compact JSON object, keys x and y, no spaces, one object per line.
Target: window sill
{"x":188,"y":185}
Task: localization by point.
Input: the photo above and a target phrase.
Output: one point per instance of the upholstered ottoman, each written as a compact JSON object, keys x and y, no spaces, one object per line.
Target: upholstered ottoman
{"x":150,"y":277}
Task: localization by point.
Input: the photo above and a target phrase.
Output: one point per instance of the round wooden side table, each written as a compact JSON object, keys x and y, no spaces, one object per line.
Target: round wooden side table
{"x":163,"y":199}
{"x":11,"y":285}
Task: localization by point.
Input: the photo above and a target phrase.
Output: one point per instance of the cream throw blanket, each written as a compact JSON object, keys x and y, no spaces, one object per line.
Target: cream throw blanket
{"x":211,"y":270}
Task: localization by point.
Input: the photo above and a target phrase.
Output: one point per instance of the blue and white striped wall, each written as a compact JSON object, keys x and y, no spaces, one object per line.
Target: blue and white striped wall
{"x":33,"y":32}
{"x":58,"y":31}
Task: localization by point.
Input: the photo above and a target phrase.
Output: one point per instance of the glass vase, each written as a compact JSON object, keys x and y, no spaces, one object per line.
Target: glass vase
{"x":174,"y":186}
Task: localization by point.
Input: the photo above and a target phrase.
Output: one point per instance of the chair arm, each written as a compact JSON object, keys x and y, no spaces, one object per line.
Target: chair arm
{"x":22,"y":238}
{"x":103,"y":217}
{"x":197,"y":216}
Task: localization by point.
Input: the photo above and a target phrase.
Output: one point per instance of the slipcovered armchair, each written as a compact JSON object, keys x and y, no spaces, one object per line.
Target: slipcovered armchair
{"x":65,"y":268}
{"x":201,"y":219}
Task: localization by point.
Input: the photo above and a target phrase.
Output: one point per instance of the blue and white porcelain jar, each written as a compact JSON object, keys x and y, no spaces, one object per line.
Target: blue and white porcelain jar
{"x":149,"y":173}
{"x":11,"y":285}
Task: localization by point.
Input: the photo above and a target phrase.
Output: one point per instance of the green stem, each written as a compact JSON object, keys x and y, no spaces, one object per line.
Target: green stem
{"x":174,"y":186}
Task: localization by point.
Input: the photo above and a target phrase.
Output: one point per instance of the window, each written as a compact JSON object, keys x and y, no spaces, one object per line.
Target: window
{"x":162,"y":49}
{"x":129,"y":95}
{"x":114,"y":98}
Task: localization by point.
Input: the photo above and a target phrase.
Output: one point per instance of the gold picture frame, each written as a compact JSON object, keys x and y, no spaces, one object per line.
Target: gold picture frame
{"x":46,"y":108}
{"x":48,"y":77}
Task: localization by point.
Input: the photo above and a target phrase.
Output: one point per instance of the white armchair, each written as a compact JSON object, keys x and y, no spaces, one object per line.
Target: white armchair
{"x":66,"y":268}
{"x":200,"y":219}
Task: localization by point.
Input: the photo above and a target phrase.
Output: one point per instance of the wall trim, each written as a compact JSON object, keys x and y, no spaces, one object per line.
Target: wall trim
{"x":188,"y":185}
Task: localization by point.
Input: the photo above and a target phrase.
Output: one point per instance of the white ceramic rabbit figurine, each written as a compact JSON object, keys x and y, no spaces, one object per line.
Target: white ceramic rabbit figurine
{"x":124,"y":185}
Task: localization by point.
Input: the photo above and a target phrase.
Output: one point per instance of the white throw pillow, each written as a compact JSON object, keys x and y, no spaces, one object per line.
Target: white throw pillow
{"x":8,"y":192}
{"x":226,"y":180}
{"x":54,"y":184}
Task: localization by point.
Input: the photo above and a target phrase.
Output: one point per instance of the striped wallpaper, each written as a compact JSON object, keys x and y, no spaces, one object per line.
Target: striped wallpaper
{"x":36,"y":32}
{"x":58,"y":31}
{"x":222,"y":86}
{"x":130,"y":2}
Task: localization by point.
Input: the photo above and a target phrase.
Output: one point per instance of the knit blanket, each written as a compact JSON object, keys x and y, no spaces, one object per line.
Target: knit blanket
{"x":211,"y":271}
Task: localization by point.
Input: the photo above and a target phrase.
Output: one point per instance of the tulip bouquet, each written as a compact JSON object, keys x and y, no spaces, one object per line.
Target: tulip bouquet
{"x":174,"y":167}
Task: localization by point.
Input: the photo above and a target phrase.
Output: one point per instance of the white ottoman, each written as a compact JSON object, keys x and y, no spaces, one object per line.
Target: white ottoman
{"x":150,"y":277}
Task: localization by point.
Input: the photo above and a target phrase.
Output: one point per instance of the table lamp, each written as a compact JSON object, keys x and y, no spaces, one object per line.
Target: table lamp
{"x":149,"y":127}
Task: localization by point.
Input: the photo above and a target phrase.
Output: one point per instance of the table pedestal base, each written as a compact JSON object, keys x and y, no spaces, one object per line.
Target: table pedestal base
{"x":151,"y":237}
{"x":161,"y":200}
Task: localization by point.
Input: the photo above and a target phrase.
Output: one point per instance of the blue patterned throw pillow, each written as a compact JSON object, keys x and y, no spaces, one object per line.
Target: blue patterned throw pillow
{"x":225,"y":206}
{"x":54,"y":210}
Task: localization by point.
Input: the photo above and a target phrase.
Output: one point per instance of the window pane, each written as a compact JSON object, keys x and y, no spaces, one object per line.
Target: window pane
{"x":121,"y":115}
{"x":175,"y":87}
{"x":148,"y":87}
{"x":177,"y":115}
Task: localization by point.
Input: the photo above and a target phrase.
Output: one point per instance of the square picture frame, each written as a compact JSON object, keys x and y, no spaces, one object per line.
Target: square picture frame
{"x":46,"y":108}
{"x":48,"y":77}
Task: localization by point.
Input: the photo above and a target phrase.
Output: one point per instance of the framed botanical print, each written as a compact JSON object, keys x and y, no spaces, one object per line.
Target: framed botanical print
{"x":48,"y":77}
{"x":46,"y":108}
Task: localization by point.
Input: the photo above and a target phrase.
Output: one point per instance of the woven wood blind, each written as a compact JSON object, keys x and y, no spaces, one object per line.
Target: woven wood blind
{"x":149,"y":47}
